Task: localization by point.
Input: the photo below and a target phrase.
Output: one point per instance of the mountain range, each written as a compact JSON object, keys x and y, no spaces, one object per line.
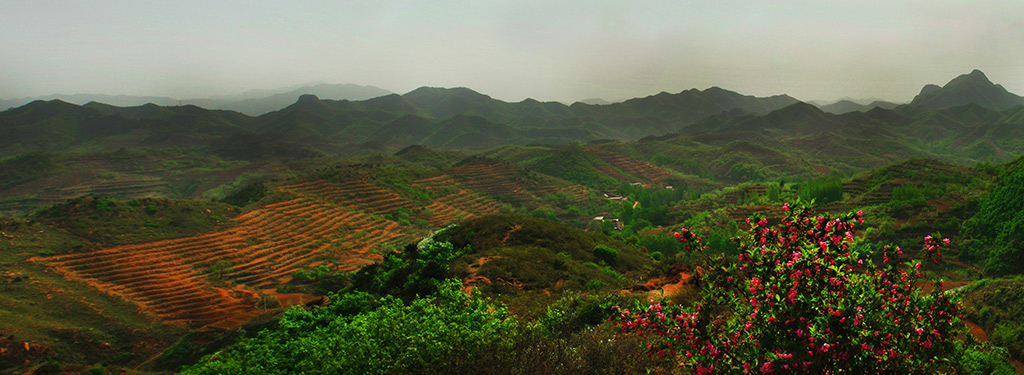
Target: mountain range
{"x":972,"y":125}
{"x":847,"y":105}
{"x":252,"y":103}
{"x":455,"y":118}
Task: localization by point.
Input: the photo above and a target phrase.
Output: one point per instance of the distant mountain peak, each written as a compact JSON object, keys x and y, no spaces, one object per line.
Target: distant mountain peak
{"x":431,"y":93}
{"x":973,"y":87}
{"x":974,"y":77}
{"x":799,"y":108}
{"x":55,"y":105}
{"x":929,"y":88}
{"x":308,"y":98}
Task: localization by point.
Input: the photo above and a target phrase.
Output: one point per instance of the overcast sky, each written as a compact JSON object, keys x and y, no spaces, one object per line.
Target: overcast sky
{"x":511,"y":50}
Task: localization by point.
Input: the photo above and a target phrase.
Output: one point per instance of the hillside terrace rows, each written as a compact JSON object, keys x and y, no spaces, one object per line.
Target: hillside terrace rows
{"x":357,"y":194}
{"x":123,"y":189}
{"x":630,"y":166}
{"x":135,"y":187}
{"x":499,"y":180}
{"x":436,"y":183}
{"x":461,"y":206}
{"x":174,"y":280}
{"x":452,"y":202}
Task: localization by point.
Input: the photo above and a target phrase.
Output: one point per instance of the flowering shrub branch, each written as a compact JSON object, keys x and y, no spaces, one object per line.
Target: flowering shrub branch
{"x":802,"y":299}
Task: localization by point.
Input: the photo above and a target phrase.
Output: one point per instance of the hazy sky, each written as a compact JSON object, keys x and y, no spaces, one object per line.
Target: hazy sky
{"x":511,"y":50}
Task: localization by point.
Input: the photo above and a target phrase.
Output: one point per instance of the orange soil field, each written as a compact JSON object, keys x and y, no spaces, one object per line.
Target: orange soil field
{"x":357,"y":194}
{"x":220,"y":279}
{"x":451,"y":205}
{"x":173,"y":280}
{"x":494,"y":179}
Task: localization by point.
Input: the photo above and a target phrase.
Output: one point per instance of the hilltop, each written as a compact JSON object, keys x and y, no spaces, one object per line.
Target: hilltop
{"x":973,"y":87}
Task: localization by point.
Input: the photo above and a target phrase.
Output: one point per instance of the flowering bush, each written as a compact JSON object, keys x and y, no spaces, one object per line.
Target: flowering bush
{"x":805,"y":297}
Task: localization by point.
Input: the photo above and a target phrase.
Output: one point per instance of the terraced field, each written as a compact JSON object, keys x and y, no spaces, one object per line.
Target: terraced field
{"x":630,"y":166}
{"x":356,"y":194}
{"x":46,"y":192}
{"x":454,"y":203}
{"x":220,"y":278}
{"x":499,"y":180}
{"x":130,"y":176}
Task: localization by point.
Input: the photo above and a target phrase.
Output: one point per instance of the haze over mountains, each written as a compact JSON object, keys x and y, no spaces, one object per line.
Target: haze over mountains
{"x":714,"y":134}
{"x":457,"y":118}
{"x":970,"y":114}
{"x":252,"y":103}
{"x":848,"y":105}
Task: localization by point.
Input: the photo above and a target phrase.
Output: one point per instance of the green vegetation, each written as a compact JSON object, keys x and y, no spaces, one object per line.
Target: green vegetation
{"x":517,"y":254}
{"x":533,"y":265}
{"x":997,"y":230}
{"x":822,"y":191}
{"x":247,"y":195}
{"x":111,"y":176}
{"x":359,"y":334}
{"x":25,"y":167}
{"x":573,"y":164}
{"x":447,"y":332}
{"x":605,"y":254}
{"x":110,"y":222}
{"x":69,"y":326}
{"x":997,"y":305}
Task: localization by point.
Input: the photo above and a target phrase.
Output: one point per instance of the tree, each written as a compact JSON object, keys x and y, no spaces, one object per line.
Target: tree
{"x":605,"y":254}
{"x":805,"y":297}
{"x":220,"y":268}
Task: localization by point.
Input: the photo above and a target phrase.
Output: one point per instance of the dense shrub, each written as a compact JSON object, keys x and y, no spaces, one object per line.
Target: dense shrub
{"x":997,"y":305}
{"x":605,"y":254}
{"x":996,"y":232}
{"x":823,"y":191}
{"x":662,"y":244}
{"x":441,"y":334}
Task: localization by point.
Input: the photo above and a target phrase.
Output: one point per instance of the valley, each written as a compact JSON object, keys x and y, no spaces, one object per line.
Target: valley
{"x":140,"y":239}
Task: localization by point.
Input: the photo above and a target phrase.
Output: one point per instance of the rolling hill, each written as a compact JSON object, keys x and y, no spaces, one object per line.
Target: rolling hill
{"x":142,"y":226}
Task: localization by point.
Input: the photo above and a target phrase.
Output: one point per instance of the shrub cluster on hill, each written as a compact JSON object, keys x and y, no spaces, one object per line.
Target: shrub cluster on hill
{"x":114,"y":222}
{"x":997,"y":305}
{"x":996,"y":232}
